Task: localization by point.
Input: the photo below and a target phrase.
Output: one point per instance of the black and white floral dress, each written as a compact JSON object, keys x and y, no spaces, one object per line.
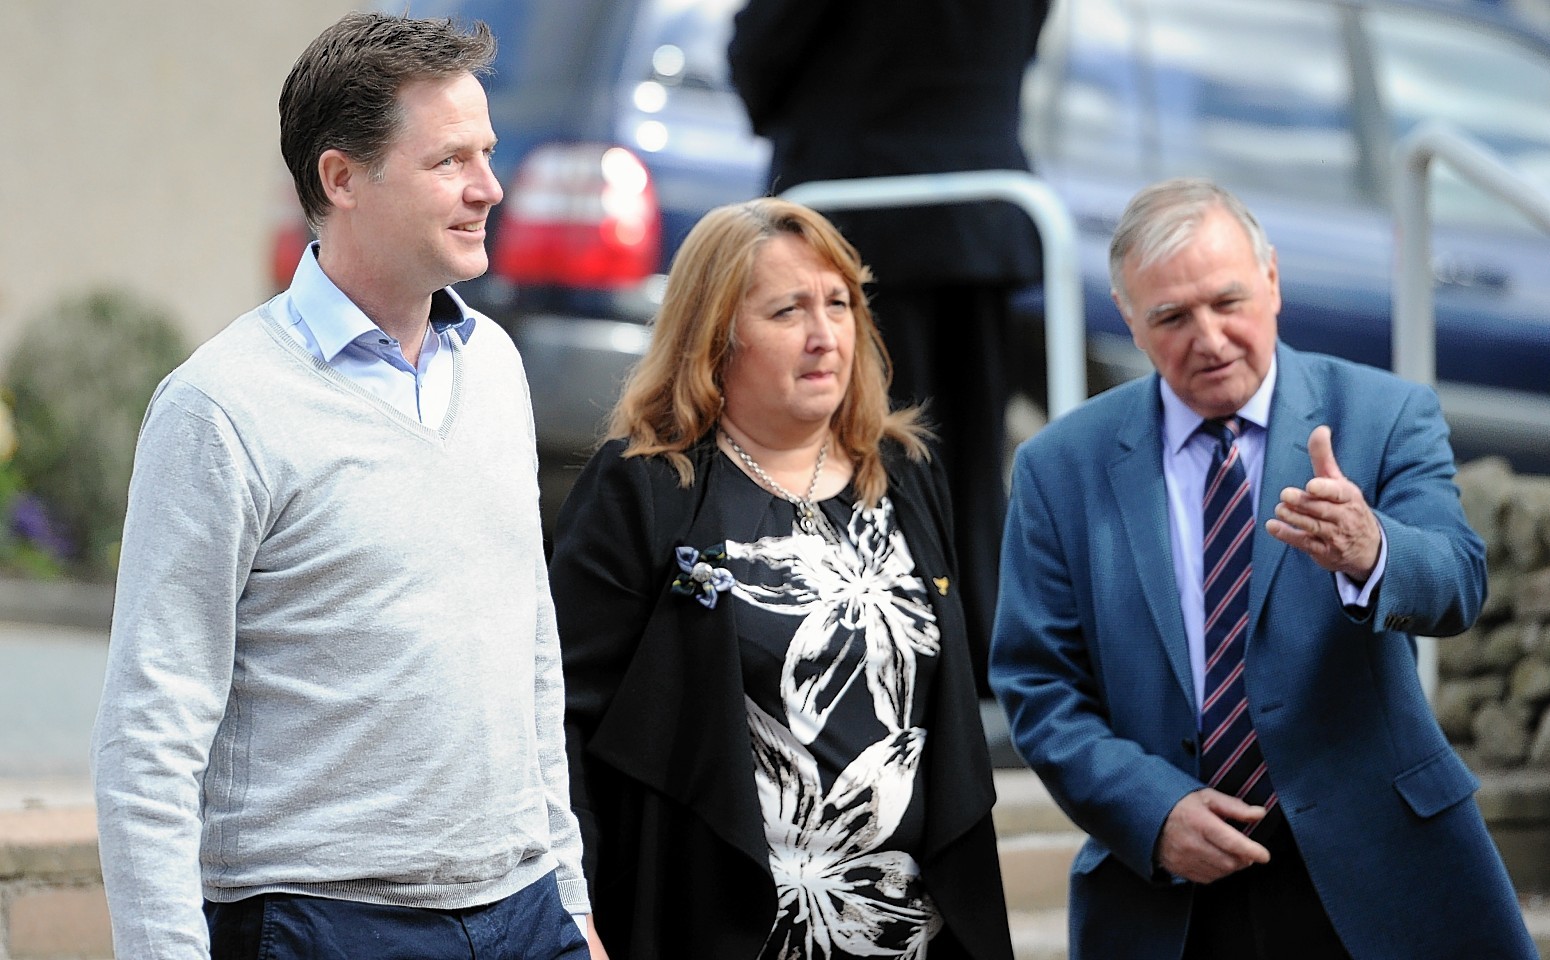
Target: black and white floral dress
{"x":839,"y":647}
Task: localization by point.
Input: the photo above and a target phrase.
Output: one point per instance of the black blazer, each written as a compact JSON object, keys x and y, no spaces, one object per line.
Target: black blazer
{"x":661,"y":763}
{"x":865,"y":88}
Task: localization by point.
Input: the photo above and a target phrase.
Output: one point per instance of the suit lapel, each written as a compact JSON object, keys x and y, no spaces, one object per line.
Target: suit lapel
{"x":1294,"y":412}
{"x":1136,"y":483}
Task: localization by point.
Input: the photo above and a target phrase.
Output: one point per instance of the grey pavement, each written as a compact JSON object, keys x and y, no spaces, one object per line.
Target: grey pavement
{"x":50,"y":680}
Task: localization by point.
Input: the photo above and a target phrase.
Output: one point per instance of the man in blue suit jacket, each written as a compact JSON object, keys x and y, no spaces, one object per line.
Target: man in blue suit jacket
{"x":1368,"y":843}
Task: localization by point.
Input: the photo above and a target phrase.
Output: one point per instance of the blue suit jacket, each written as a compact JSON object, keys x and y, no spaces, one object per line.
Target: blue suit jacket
{"x":1090,"y":662}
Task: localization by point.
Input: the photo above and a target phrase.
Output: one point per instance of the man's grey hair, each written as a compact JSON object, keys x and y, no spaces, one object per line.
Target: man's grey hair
{"x":1161,"y":219}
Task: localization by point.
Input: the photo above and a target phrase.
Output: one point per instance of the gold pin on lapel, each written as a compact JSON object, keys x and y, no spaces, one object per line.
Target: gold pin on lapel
{"x":941,"y":585}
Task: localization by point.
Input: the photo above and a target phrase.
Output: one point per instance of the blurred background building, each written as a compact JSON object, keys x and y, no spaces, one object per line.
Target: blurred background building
{"x":142,"y":146}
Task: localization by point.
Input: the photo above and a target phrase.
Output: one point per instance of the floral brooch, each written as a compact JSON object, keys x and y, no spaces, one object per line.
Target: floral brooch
{"x":704,"y":573}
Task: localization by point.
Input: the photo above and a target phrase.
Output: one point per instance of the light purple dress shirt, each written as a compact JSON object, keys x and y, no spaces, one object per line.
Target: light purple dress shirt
{"x":1186,"y":459}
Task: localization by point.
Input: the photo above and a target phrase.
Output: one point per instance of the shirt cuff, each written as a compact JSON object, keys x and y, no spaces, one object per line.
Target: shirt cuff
{"x":1357,"y":595}
{"x":581,"y":922}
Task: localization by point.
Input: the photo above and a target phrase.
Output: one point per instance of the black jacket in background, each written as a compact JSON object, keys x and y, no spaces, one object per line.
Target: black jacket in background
{"x":865,"y":88}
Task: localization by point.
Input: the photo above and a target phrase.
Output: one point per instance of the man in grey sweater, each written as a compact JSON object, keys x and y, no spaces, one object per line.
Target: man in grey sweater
{"x":332,"y":720}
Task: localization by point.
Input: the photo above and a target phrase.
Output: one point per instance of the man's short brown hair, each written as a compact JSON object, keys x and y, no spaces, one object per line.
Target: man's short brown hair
{"x":342,"y":94}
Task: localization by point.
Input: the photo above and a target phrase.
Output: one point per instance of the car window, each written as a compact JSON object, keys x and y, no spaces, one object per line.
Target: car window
{"x":1491,"y":85}
{"x":1257,"y":95}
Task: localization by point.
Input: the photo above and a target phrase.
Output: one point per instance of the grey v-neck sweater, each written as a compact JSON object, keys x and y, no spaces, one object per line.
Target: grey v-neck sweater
{"x":333,"y":667}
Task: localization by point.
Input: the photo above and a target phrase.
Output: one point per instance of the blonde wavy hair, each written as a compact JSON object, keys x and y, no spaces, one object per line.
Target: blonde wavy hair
{"x":673,"y":396}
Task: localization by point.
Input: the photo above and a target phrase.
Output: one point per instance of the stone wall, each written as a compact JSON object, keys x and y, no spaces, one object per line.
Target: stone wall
{"x":1494,"y":681}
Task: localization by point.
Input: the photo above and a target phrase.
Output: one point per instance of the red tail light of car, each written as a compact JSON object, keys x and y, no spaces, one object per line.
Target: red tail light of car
{"x":581,"y":214}
{"x":289,"y":234}
{"x":285,"y":249}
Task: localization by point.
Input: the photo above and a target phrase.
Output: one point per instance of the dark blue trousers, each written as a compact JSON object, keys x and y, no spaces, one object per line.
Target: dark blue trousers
{"x":1266,"y":911}
{"x":531,"y":924}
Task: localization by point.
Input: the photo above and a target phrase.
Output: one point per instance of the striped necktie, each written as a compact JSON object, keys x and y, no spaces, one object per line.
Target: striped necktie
{"x":1230,"y":757}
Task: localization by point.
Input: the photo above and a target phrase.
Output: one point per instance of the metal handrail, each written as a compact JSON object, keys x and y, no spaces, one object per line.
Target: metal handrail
{"x":1415,"y":311}
{"x":1064,"y":326}
{"x":1415,"y":321}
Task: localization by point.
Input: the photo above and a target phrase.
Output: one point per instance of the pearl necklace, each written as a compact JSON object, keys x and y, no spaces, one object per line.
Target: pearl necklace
{"x":810,"y":517}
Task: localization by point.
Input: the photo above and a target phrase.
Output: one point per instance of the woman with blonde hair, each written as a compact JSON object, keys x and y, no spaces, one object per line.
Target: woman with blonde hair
{"x":775,"y":742}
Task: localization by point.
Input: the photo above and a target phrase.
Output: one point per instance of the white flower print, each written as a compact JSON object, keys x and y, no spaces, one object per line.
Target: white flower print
{"x":846,"y":889}
{"x":837,"y":891}
{"x":865,"y":617}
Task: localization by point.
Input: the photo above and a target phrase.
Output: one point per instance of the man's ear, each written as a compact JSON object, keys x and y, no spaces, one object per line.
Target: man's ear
{"x":1273,"y":283}
{"x":338,"y":174}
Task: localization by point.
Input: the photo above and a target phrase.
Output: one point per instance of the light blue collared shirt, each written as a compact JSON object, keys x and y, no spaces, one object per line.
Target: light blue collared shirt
{"x":1186,"y":462}
{"x":339,"y":333}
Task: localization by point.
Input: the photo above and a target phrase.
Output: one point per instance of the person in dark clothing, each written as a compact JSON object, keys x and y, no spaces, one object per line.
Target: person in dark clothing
{"x":869,"y":88}
{"x":770,"y":712}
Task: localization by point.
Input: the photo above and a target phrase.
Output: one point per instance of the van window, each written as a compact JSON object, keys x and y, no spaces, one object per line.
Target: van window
{"x":1081,"y":98}
{"x":688,"y":41}
{"x":1253,"y":94}
{"x":1490,"y":85}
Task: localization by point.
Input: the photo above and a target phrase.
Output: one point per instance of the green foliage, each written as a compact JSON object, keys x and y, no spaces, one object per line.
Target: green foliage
{"x":79,"y":381}
{"x":18,"y":554}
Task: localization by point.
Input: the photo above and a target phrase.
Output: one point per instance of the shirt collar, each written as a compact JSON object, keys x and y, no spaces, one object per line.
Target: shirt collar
{"x":1180,"y":422}
{"x":335,"y":321}
{"x":448,"y":311}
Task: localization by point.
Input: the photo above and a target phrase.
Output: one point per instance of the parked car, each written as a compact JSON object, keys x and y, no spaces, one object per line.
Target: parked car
{"x":1296,"y":106}
{"x":618,"y":128}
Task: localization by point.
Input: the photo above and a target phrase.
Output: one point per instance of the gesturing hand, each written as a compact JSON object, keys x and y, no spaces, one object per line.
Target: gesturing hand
{"x":1329,"y":519}
{"x":1199,"y":844}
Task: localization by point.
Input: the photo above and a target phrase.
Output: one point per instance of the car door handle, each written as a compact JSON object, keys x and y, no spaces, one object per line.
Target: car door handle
{"x":1464,"y":273}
